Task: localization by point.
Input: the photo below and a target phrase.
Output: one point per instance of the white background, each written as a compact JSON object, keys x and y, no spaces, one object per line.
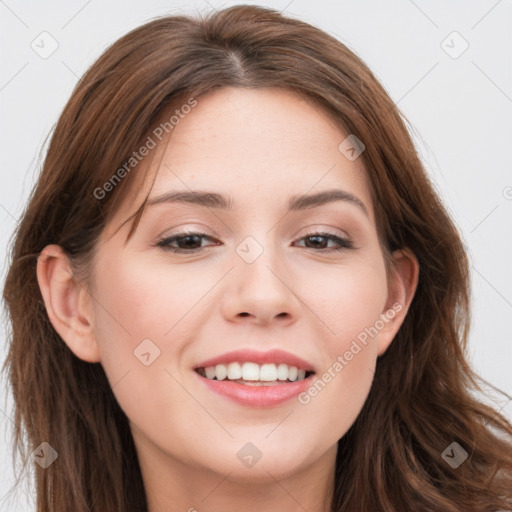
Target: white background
{"x":460,"y":110}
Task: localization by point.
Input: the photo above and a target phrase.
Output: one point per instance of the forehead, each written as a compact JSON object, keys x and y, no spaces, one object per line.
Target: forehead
{"x":257,"y":137}
{"x":257,"y":146}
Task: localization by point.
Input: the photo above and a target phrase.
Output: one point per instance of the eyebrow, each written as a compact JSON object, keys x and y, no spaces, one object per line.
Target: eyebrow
{"x":295,"y":203}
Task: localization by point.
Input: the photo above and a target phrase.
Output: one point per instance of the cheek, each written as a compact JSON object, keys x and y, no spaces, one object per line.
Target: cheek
{"x":140,"y":301}
{"x":347,"y":300}
{"x":142,"y":308}
{"x":349,"y":304}
{"x":140,"y":325}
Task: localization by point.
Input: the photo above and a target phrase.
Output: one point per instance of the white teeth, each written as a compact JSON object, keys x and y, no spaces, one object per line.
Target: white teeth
{"x":282,"y":372}
{"x":210,"y":372}
{"x":254,"y":372}
{"x":250,"y":371}
{"x":221,"y":372}
{"x":268,"y":372}
{"x":234,"y":371}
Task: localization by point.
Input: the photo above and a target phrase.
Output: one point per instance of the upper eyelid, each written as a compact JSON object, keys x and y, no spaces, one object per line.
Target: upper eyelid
{"x":316,"y":227}
{"x":309,"y":232}
{"x":325,"y":224}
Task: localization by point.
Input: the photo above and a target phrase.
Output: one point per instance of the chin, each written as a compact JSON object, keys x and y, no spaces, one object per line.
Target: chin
{"x":262,"y":461}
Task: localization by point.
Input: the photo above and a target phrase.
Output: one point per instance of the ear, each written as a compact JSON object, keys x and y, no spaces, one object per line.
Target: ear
{"x":68,"y":304}
{"x":402,"y":283}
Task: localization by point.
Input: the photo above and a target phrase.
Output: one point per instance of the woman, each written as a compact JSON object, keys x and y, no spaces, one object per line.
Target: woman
{"x":234,"y":288}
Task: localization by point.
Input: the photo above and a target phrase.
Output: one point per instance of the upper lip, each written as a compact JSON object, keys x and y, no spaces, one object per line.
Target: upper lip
{"x":275,"y":356}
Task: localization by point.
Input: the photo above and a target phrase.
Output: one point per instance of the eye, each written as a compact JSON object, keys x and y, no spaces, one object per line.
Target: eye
{"x":187,"y":242}
{"x":190,"y":242}
{"x":342,"y":243}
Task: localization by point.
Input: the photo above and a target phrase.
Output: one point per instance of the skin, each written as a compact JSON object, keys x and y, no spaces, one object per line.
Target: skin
{"x":260,"y":147}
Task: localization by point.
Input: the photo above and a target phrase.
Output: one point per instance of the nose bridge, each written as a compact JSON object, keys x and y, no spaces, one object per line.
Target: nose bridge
{"x":259,"y":262}
{"x":261,"y":288}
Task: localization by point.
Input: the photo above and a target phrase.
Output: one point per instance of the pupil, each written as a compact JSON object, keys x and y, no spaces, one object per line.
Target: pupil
{"x":188,"y":238}
{"x":316,"y":239}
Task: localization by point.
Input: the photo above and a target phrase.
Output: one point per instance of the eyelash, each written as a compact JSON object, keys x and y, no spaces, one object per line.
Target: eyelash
{"x":344,"y":243}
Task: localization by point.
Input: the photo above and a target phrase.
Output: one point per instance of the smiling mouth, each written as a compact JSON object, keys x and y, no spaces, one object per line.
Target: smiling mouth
{"x":253,"y":374}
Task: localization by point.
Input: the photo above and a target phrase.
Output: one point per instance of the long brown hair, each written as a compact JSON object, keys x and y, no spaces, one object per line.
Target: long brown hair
{"x":420,"y":401}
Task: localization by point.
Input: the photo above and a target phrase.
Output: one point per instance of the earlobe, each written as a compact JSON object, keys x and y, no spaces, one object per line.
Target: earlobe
{"x":67,"y":303}
{"x":402,"y":284}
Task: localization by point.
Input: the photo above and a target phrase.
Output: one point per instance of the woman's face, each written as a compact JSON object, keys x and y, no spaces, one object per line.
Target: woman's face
{"x":263,"y":278}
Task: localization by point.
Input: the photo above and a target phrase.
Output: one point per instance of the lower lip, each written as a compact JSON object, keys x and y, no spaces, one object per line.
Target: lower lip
{"x":257,"y":396}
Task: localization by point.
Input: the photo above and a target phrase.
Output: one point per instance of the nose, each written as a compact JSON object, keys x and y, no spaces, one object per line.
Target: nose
{"x":261,"y":292}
